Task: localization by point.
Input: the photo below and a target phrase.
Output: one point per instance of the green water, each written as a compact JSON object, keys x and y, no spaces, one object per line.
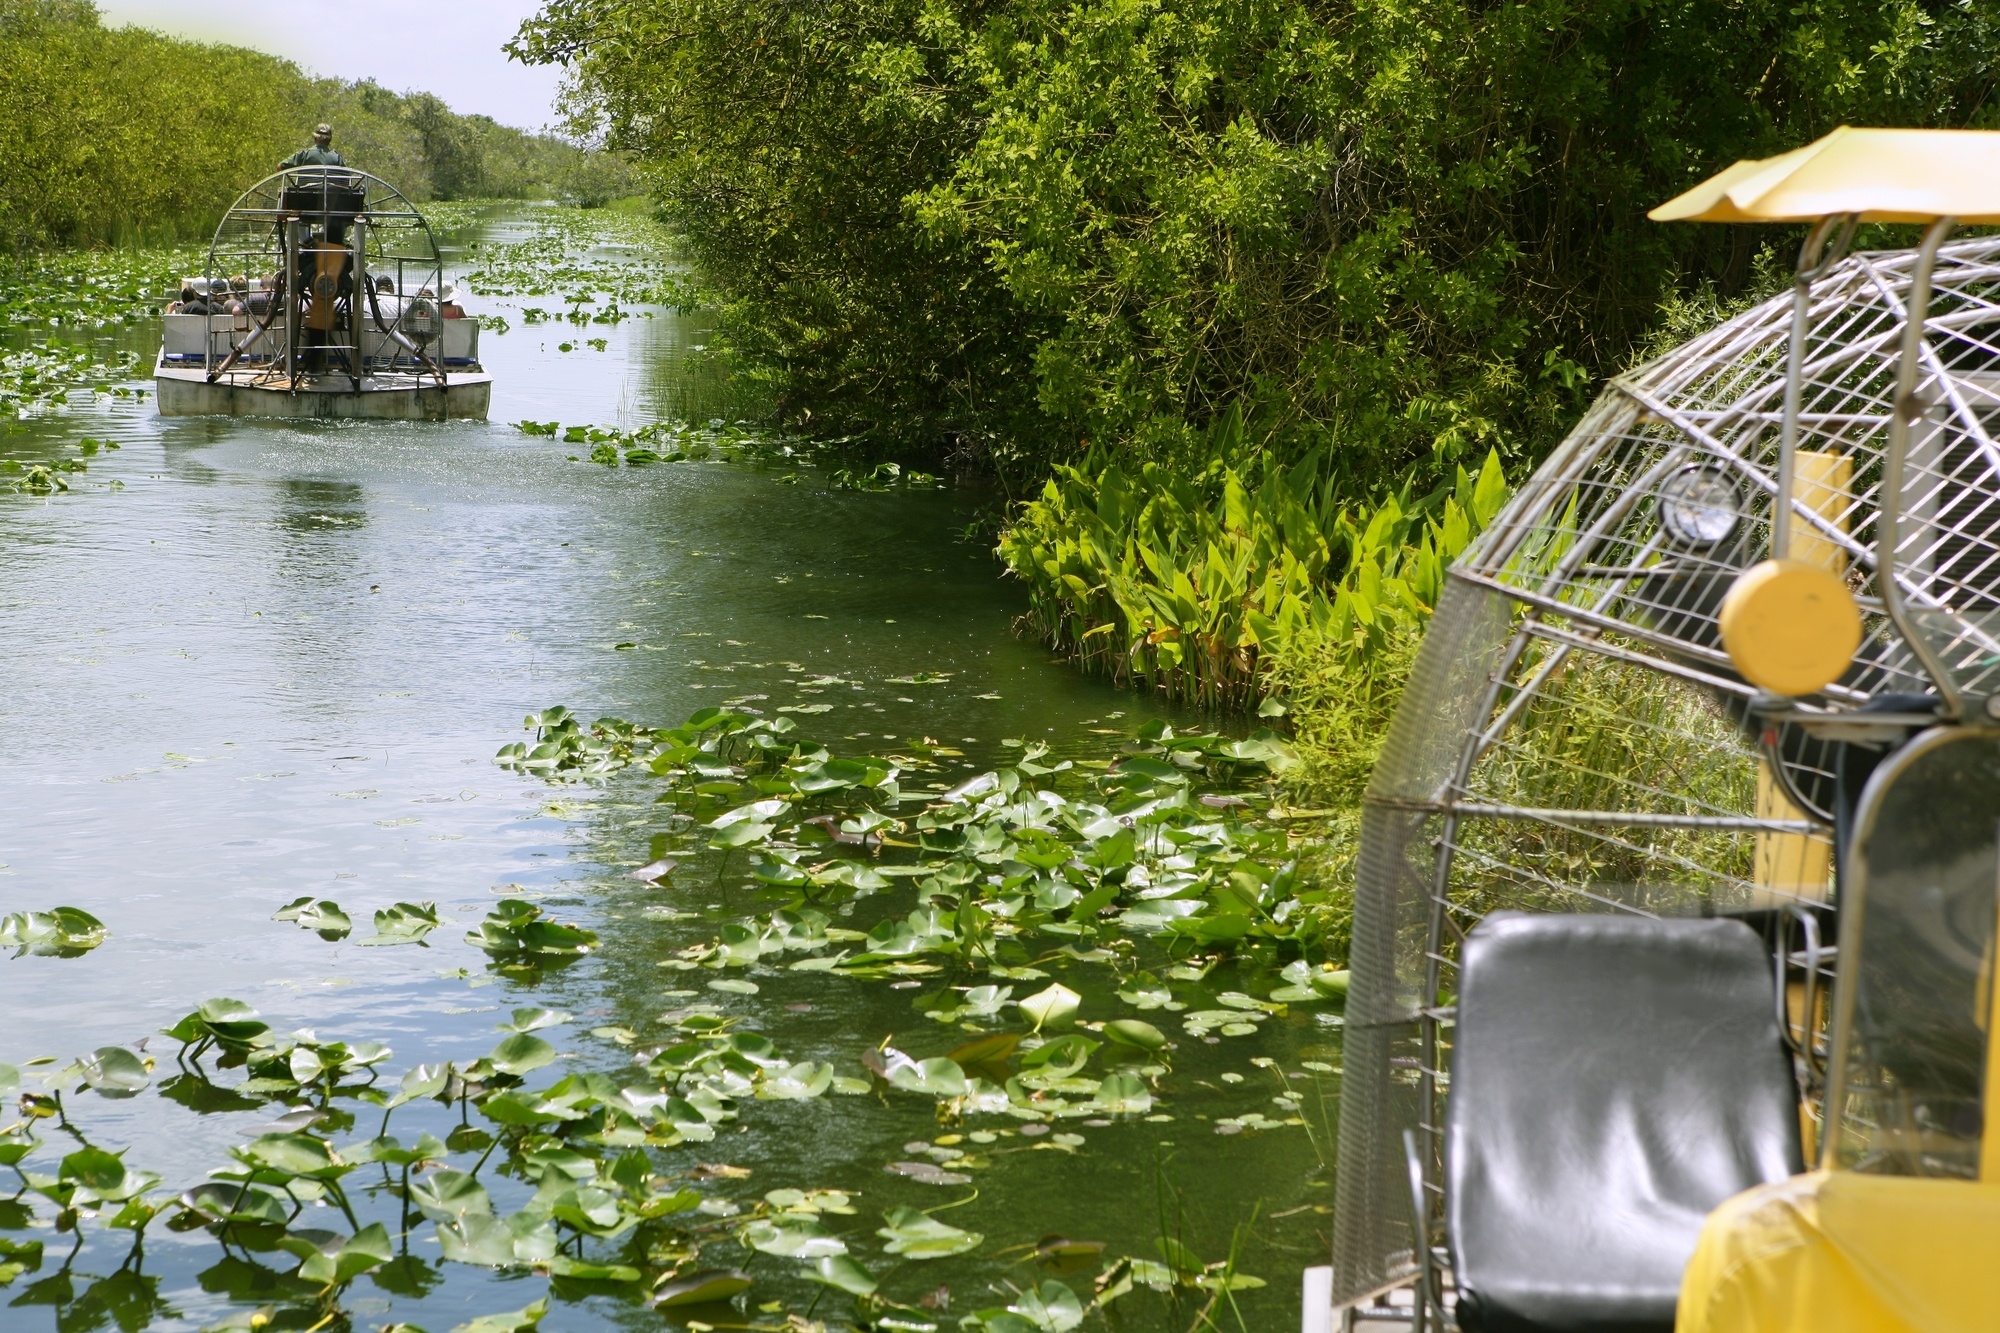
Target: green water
{"x":276,"y":661}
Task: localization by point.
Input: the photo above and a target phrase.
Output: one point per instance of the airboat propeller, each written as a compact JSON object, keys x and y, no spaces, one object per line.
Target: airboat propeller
{"x":323,"y":296}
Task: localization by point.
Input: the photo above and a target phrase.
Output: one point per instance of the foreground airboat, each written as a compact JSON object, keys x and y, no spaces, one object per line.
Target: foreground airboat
{"x":323,"y":296}
{"x":1680,"y":869}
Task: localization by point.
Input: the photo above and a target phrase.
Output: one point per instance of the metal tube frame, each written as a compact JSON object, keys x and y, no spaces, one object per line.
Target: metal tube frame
{"x":1815,"y":258}
{"x":288,"y":255}
{"x":1906,"y":412}
{"x":264,"y":202}
{"x":357,"y":363}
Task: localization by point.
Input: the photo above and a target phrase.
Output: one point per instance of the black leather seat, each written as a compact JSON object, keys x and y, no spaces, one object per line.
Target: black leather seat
{"x":1613,"y":1079}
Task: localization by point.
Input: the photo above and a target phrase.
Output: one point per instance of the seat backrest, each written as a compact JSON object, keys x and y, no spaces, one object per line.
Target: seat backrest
{"x":1613,"y":1078}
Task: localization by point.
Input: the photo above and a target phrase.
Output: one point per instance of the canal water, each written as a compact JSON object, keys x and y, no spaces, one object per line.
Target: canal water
{"x":246,"y":662}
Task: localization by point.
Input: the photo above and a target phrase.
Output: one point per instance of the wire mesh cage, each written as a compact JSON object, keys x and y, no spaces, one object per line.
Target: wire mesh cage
{"x":384,"y":260}
{"x":1574,"y":736}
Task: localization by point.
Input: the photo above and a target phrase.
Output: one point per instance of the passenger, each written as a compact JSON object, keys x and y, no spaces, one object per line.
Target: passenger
{"x":259,"y":300}
{"x":319,"y":153}
{"x":183,"y":301}
{"x":388,"y":301}
{"x":451,"y":309}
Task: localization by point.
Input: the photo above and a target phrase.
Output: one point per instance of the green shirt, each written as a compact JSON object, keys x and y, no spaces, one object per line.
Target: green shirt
{"x":314,"y":156}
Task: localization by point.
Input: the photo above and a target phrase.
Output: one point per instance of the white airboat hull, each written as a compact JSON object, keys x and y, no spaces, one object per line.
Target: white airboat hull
{"x":186,"y":392}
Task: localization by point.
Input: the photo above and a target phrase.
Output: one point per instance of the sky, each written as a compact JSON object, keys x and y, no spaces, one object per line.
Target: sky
{"x":447,"y":47}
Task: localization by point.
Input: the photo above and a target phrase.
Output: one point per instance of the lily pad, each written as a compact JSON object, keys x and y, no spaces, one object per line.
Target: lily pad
{"x":928,"y":1173}
{"x":516,"y":928}
{"x":1053,"y":1007}
{"x":1123,"y":1094}
{"x":535,"y":1019}
{"x":524,"y":1320}
{"x":114,"y":1071}
{"x":702,"y":1288}
{"x":935,"y":1078}
{"x":402,"y":923}
{"x":1135,"y":1033}
{"x":322,"y":915}
{"x":60,"y":932}
{"x":790,"y":1237}
{"x":918,"y":1235}
{"x":842,"y":1273}
{"x":522,"y":1053}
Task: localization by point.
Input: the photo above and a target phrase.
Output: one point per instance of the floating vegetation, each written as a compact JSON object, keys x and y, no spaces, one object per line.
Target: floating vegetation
{"x":91,"y":289}
{"x":564,"y":1180}
{"x":528,"y":1160}
{"x":60,"y":932}
{"x":667,"y":442}
{"x":586,"y":258}
{"x":50,"y":476}
{"x":518,"y":931}
{"x":43,"y":377}
{"x":1039,"y":848}
{"x":401,"y":923}
{"x":882,"y":477}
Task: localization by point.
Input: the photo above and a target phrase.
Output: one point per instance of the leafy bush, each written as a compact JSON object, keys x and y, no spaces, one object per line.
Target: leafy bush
{"x":1397,"y":234}
{"x":113,"y":134}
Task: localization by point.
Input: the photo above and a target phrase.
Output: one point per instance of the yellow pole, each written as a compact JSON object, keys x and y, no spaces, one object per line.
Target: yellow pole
{"x":1985,"y":997}
{"x":1792,"y":866}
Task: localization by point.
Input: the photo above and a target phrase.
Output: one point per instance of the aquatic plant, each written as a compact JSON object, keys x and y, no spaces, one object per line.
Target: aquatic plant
{"x":1004,"y":856}
{"x":60,"y":932}
{"x":674,"y":441}
{"x":1194,"y":586}
{"x":94,"y":288}
{"x":589,"y":258}
{"x":38,"y":378}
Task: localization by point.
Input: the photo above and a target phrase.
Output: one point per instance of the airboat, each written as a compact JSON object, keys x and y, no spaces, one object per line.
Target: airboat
{"x":324,"y":295}
{"x":1673,"y":998}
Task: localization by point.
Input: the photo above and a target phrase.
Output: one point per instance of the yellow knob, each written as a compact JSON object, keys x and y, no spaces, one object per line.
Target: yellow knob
{"x":1790,"y":627}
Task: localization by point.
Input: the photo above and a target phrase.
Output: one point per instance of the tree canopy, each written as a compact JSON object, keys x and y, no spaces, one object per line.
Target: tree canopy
{"x":1400,"y":231}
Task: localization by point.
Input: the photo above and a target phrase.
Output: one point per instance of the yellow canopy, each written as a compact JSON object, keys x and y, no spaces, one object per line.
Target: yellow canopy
{"x":1881,"y":175}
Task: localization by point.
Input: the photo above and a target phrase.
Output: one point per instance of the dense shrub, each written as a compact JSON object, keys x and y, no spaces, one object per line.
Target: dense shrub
{"x":1396,"y":233}
{"x":110,"y":134}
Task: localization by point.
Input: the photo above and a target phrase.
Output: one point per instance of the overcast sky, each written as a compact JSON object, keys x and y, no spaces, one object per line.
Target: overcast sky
{"x":447,"y":47}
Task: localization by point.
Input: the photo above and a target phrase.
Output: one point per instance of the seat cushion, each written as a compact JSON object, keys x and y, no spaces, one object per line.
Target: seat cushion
{"x":1613,"y":1079}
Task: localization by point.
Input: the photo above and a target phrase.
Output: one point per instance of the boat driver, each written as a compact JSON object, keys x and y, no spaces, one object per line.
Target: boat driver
{"x":319,"y":153}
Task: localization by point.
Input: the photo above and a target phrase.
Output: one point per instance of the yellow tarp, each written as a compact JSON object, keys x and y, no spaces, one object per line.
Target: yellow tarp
{"x":1880,"y":175}
{"x":1840,"y":1252}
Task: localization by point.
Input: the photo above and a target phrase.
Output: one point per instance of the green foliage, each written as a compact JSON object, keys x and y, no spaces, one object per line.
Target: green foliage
{"x":1226,"y":268}
{"x":772,"y":141}
{"x":1396,"y":235}
{"x":1137,"y":850}
{"x":1194,"y":585}
{"x":115,"y":133}
{"x":60,"y":932}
